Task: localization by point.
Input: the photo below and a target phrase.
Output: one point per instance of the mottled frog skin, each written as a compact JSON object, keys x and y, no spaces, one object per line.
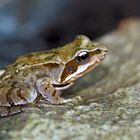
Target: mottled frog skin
{"x":45,"y":74}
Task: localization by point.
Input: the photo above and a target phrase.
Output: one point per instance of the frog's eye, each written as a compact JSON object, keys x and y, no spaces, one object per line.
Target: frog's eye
{"x":82,"y":57}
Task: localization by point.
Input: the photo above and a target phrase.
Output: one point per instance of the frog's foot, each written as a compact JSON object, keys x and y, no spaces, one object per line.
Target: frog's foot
{"x":7,"y":111}
{"x":48,"y":92}
{"x":57,"y":100}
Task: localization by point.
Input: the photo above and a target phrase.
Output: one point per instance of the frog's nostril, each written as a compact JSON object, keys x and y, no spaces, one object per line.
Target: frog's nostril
{"x":106,"y":50}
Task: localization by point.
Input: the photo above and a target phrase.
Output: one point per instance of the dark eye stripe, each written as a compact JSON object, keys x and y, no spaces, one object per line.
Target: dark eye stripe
{"x":69,"y":69}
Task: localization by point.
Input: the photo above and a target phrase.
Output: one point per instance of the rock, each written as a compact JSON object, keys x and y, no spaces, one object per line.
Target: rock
{"x":109,"y":107}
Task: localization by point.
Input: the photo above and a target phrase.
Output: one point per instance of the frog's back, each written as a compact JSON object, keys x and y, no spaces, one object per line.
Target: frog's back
{"x":34,"y":58}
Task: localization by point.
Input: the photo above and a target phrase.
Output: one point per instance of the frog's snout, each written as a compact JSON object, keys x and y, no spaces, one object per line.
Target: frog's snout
{"x":102,"y":49}
{"x":105,"y":51}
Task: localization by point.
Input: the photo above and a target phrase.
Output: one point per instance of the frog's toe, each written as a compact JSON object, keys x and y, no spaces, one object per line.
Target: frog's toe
{"x":57,"y":101}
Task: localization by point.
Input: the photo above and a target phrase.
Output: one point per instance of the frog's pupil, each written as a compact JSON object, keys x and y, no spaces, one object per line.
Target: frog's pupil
{"x":82,"y":57}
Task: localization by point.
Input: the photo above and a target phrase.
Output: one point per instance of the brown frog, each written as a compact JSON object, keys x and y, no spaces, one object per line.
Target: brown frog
{"x":47,"y":73}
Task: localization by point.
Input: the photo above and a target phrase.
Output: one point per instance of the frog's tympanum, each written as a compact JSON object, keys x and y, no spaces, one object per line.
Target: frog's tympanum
{"x":45,"y":74}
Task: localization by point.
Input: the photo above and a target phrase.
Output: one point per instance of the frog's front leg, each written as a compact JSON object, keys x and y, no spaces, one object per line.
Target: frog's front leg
{"x":45,"y":88}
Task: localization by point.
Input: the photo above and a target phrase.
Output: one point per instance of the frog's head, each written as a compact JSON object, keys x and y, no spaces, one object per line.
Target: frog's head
{"x":81,"y":56}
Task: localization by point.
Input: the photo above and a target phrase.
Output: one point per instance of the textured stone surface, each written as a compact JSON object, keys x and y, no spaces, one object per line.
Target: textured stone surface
{"x":109,"y":107}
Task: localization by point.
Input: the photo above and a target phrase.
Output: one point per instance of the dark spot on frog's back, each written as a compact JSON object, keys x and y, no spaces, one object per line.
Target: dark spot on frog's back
{"x":23,"y":65}
{"x":40,"y":75}
{"x":51,"y":55}
{"x":13,"y":84}
{"x":8,"y":97}
{"x":21,"y":94}
{"x":33,"y":68}
{"x":51,"y":65}
{"x":25,"y":74}
{"x":1,"y":85}
{"x":48,"y":58}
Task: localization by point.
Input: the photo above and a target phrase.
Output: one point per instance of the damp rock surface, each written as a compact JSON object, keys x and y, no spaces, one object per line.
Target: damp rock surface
{"x":103,"y":105}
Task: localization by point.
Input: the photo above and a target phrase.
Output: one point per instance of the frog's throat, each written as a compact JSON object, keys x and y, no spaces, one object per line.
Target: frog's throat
{"x":62,"y":86}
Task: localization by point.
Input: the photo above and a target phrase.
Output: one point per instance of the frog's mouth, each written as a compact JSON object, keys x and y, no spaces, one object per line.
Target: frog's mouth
{"x":62,"y":86}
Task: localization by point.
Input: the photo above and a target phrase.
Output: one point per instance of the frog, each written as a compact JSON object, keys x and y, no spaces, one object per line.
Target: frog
{"x":45,"y":74}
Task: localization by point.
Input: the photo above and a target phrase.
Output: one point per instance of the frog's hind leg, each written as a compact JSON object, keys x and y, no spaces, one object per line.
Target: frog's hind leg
{"x":7,"y":111}
{"x":19,"y":94}
{"x":23,"y":96}
{"x":49,"y":93}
